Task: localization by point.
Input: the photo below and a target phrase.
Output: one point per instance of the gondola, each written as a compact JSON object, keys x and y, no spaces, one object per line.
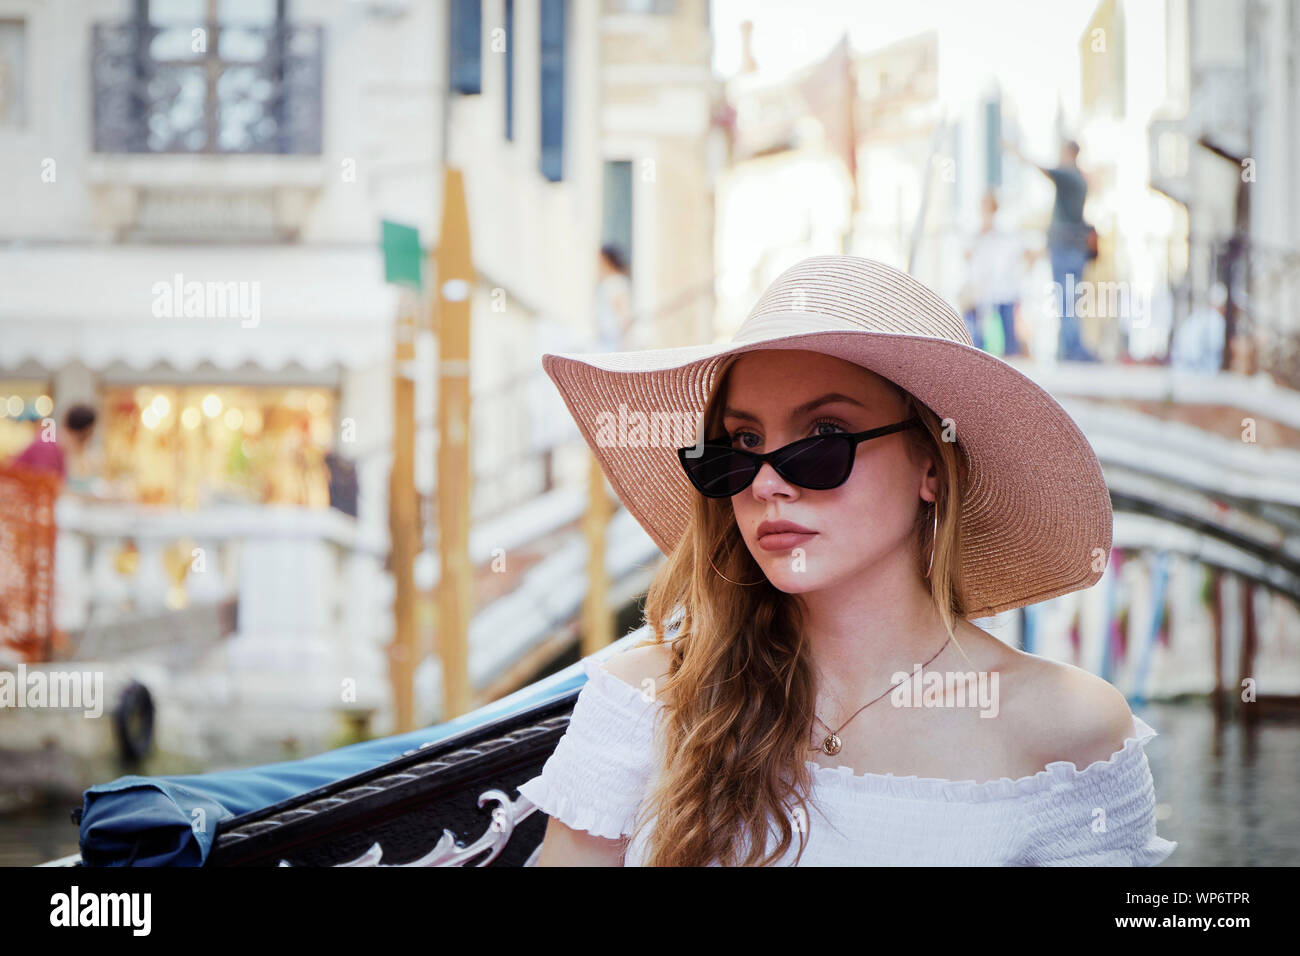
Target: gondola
{"x":452,"y":801}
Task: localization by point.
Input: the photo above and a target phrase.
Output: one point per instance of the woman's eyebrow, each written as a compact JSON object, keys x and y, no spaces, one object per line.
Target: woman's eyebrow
{"x":801,"y":409}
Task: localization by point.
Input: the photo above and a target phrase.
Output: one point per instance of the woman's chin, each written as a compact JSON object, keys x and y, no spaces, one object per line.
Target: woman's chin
{"x":793,"y":582}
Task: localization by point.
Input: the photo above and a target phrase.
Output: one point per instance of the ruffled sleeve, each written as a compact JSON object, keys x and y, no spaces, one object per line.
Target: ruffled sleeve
{"x":1103,"y":815}
{"x":596,"y":778}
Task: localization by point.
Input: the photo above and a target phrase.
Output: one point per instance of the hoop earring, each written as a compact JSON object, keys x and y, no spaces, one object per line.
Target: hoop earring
{"x":934,"y":538}
{"x":743,"y":584}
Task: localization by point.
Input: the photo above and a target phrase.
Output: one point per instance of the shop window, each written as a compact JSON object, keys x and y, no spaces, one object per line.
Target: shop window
{"x":192,"y":446}
{"x":24,"y":405}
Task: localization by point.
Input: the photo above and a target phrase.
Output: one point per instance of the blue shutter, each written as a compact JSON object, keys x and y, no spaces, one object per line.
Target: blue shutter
{"x":554,"y":15}
{"x":465,"y":52}
{"x":510,"y":69}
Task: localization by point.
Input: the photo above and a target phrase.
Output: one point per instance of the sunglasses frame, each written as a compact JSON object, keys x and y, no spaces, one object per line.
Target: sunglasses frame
{"x":854,"y":439}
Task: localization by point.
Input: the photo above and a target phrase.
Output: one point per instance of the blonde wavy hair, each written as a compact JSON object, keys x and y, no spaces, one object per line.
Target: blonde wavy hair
{"x":740,"y":678}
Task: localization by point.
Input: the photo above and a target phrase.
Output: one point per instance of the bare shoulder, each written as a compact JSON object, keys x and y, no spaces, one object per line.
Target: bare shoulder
{"x":1067,"y":713}
{"x":644,"y":666}
{"x":980,"y":649}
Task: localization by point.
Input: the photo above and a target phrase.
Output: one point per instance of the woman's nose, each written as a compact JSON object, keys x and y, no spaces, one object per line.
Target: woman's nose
{"x":767,"y":483}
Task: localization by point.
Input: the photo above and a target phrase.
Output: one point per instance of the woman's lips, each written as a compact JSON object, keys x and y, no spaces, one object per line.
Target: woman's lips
{"x":784,"y":540}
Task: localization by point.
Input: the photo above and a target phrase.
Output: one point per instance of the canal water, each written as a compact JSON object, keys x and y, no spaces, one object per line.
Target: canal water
{"x":1225,"y":791}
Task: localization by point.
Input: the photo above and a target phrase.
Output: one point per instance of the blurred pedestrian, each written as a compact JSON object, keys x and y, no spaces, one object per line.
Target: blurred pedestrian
{"x":342,"y":482}
{"x":1199,"y":339}
{"x":1069,"y":244}
{"x":614,"y":316}
{"x":992,"y":289}
{"x":49,"y":452}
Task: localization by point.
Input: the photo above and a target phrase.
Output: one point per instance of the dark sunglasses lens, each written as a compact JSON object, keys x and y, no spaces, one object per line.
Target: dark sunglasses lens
{"x":718,"y":473}
{"x":820,"y":462}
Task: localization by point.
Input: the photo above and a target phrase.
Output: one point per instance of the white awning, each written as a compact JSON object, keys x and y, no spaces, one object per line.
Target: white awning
{"x":269,"y":306}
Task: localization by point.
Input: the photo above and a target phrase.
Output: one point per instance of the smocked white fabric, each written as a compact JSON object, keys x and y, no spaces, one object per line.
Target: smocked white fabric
{"x":1103,"y":815}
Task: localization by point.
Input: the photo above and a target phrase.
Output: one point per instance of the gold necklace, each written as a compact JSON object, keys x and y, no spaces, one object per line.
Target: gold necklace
{"x":832,"y":744}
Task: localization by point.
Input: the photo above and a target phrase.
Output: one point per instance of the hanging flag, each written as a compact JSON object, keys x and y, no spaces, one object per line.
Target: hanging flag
{"x":402,"y":256}
{"x":828,"y":92}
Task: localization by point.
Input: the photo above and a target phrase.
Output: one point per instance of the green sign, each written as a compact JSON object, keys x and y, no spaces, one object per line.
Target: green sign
{"x":403,"y":257}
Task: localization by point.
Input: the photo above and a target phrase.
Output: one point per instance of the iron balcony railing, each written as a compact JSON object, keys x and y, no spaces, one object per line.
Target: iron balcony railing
{"x":217,"y":88}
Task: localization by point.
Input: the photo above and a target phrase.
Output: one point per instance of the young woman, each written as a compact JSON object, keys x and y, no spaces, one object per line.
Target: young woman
{"x":867,"y":482}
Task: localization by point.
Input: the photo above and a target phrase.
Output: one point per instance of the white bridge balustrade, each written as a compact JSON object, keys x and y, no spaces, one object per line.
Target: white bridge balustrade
{"x":313,"y":602}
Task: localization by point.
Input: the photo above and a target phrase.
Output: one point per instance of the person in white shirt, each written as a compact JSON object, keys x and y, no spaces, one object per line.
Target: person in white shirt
{"x":1198,"y":341}
{"x":614,"y":318}
{"x":994,"y":265}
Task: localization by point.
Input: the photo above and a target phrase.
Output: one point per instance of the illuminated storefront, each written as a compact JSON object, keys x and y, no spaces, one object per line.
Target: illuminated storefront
{"x":23,"y":406}
{"x":192,"y":446}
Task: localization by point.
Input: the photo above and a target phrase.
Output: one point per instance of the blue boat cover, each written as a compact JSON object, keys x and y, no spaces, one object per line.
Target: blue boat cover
{"x":170,"y":821}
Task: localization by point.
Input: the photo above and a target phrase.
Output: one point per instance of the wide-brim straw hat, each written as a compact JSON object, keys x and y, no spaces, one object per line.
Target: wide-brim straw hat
{"x":1036,"y":512}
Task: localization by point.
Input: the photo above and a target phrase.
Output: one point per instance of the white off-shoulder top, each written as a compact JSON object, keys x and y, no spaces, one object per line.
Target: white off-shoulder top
{"x":1103,"y":815}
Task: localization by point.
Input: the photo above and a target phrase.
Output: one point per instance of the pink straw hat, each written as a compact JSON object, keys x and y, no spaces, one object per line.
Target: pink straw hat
{"x":1036,"y":512}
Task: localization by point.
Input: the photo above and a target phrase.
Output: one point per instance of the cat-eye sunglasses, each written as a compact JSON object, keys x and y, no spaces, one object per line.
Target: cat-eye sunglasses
{"x":718,"y":470}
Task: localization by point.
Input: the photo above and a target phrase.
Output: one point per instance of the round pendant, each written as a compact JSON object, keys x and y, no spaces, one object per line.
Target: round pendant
{"x":831,"y":745}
